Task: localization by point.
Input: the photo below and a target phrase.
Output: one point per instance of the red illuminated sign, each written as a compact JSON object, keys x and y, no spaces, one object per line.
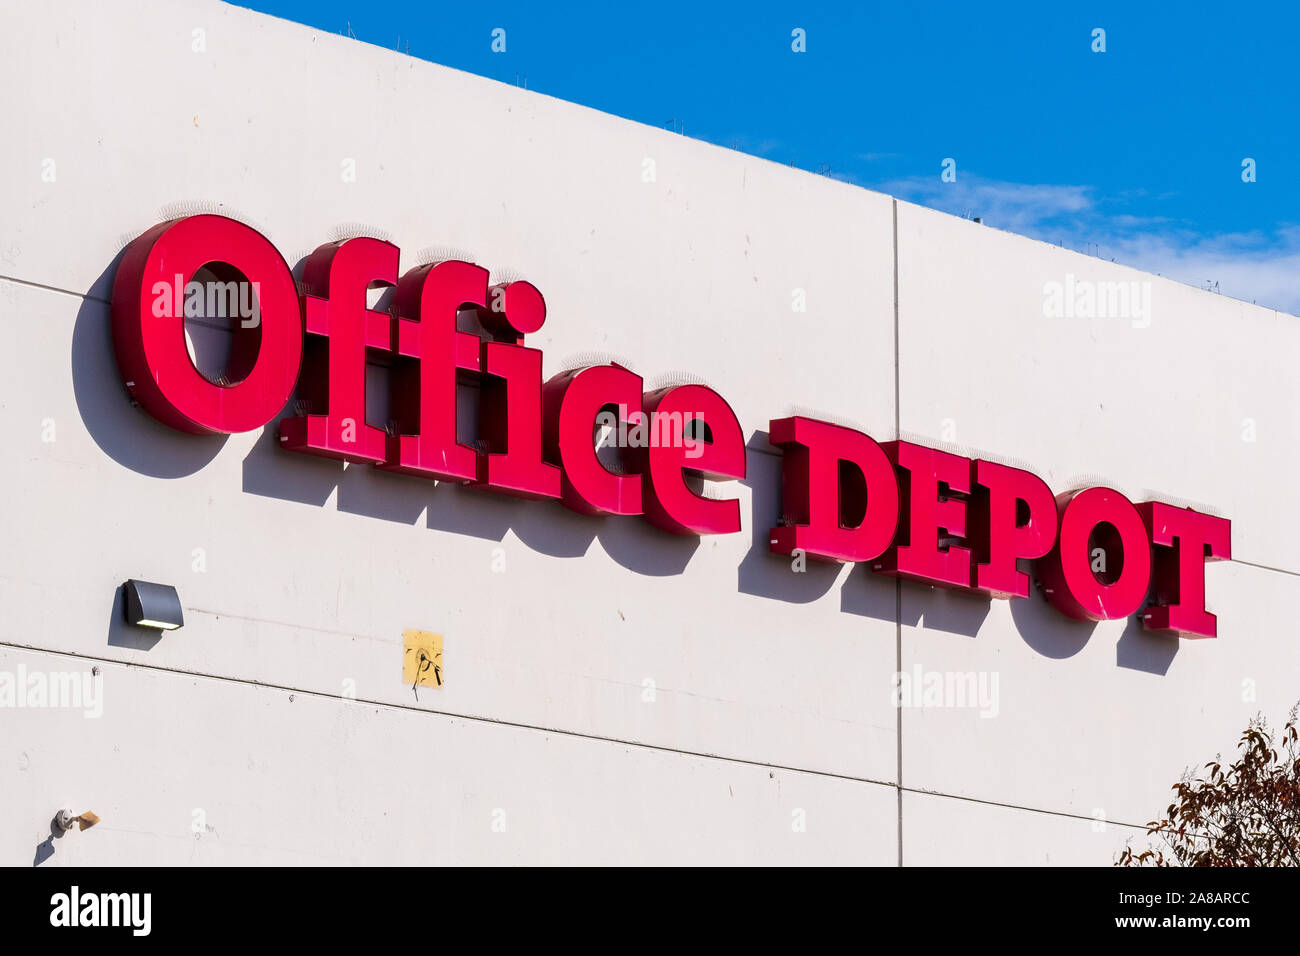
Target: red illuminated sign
{"x":906,"y":509}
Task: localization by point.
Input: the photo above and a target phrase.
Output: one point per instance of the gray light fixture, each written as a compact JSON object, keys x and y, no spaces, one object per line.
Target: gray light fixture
{"x":149,"y":605}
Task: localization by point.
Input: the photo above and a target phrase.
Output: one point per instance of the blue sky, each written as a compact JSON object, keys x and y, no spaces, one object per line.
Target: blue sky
{"x":1134,"y":153}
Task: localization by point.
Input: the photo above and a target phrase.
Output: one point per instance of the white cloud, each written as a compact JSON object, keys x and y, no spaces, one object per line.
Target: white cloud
{"x":1016,"y":207}
{"x":1257,"y":267}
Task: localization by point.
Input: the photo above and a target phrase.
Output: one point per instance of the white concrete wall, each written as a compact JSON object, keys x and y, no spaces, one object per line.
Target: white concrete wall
{"x":773,"y":699}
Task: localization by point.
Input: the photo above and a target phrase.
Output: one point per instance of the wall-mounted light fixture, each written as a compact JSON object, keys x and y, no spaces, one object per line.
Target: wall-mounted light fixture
{"x":152,"y":605}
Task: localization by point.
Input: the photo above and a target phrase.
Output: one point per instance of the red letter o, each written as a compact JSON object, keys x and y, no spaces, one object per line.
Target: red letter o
{"x":150,"y":346}
{"x":1067,"y":575}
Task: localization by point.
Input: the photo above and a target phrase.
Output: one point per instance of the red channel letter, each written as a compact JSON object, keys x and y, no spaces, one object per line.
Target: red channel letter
{"x":1067,"y":575}
{"x":340,"y":331}
{"x":929,"y":510}
{"x":670,"y":502}
{"x":1013,"y":516}
{"x":839,"y":493}
{"x":149,"y":327}
{"x":430,"y":351}
{"x":510,"y":398}
{"x":573,"y":399}
{"x":1178,"y":571}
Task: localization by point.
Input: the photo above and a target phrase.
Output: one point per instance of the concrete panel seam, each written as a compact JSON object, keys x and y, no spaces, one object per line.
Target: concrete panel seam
{"x":898,"y":584}
{"x":1014,"y":806}
{"x":50,"y":288}
{"x":1265,"y":567}
{"x":388,"y":705}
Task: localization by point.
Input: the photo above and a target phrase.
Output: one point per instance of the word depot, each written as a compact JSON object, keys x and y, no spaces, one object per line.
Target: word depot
{"x":904,"y":509}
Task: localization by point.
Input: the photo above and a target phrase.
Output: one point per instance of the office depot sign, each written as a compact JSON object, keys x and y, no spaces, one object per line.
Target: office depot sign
{"x":904,"y":509}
